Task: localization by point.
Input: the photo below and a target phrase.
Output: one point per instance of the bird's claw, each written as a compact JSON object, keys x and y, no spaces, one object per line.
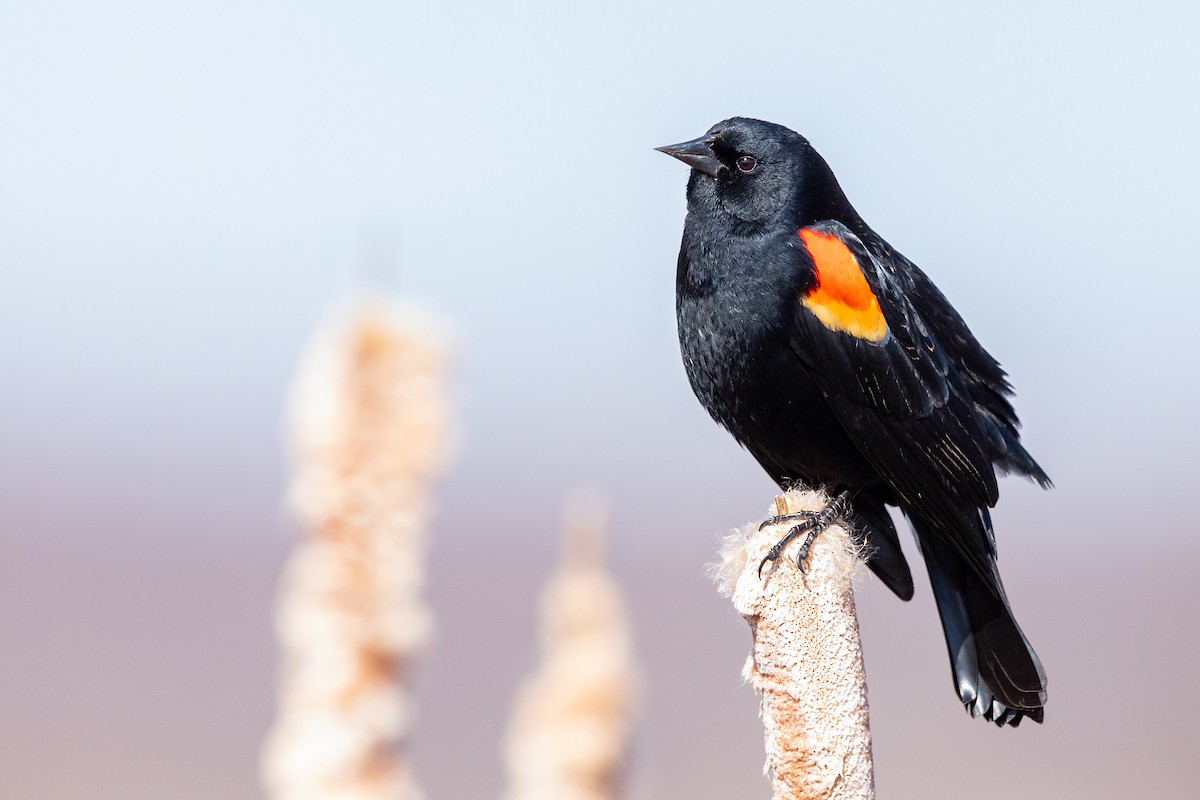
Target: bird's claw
{"x":802,"y":556}
{"x":772,"y":554}
{"x":777,"y":548}
{"x":778,"y":518}
{"x":814,"y":522}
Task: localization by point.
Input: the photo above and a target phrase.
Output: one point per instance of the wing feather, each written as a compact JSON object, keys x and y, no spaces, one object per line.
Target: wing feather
{"x":904,"y":404}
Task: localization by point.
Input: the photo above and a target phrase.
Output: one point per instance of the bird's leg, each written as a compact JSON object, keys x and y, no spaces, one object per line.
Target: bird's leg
{"x":814,"y":523}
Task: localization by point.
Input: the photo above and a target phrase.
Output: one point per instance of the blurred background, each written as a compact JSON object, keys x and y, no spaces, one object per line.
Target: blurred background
{"x":187,"y":189}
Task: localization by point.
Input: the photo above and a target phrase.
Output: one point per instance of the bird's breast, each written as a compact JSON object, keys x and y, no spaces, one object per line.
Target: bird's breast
{"x":732,"y":307}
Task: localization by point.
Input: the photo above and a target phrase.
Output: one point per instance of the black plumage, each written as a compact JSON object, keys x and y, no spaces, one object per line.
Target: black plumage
{"x":836,"y":362}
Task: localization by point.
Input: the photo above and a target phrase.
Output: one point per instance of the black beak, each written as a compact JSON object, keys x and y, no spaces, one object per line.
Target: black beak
{"x":697,"y":154}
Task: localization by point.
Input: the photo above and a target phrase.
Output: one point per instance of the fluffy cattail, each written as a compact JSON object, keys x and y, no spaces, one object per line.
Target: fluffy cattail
{"x":369,"y":422}
{"x":569,"y":730}
{"x":806,"y":662}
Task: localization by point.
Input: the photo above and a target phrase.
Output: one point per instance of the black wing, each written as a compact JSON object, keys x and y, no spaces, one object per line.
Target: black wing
{"x":904,"y":402}
{"x":985,"y":380}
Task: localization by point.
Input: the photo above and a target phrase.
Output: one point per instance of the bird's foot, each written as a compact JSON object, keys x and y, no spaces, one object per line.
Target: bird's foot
{"x":814,"y":523}
{"x":778,"y":518}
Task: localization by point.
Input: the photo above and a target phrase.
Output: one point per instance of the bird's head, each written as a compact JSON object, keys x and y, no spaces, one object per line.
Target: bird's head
{"x":756,"y":172}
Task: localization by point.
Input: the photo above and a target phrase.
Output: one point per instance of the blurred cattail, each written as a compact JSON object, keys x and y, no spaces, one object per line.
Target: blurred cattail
{"x":806,"y":662}
{"x":569,"y":732}
{"x":369,"y":421}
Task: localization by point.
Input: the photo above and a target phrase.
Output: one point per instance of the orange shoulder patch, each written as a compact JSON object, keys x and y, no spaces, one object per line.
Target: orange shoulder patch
{"x":841,"y":298}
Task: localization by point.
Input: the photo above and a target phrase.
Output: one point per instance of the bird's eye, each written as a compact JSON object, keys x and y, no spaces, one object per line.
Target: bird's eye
{"x":747,"y":163}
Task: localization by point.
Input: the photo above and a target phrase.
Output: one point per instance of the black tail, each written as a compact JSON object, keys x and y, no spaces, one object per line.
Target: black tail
{"x":996,"y":672}
{"x":874,"y":525}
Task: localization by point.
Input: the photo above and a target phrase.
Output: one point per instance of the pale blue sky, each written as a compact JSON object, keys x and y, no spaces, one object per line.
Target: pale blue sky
{"x":185,"y":186}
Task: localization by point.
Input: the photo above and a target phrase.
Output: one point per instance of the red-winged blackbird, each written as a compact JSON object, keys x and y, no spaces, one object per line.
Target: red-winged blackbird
{"x":835,"y":361}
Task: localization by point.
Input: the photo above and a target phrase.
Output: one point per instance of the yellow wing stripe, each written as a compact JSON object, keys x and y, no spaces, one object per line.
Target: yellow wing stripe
{"x":841,"y":298}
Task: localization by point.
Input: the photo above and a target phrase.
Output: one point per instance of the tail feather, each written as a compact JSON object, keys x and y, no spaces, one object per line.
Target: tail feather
{"x":996,"y":672}
{"x":884,"y":556}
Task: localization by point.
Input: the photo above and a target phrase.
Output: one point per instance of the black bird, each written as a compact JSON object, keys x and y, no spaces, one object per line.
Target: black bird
{"x":835,"y":361}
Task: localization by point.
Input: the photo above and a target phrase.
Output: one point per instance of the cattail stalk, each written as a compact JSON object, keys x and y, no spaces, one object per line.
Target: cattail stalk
{"x":369,"y":421}
{"x":806,"y":662}
{"x":570,"y":725}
